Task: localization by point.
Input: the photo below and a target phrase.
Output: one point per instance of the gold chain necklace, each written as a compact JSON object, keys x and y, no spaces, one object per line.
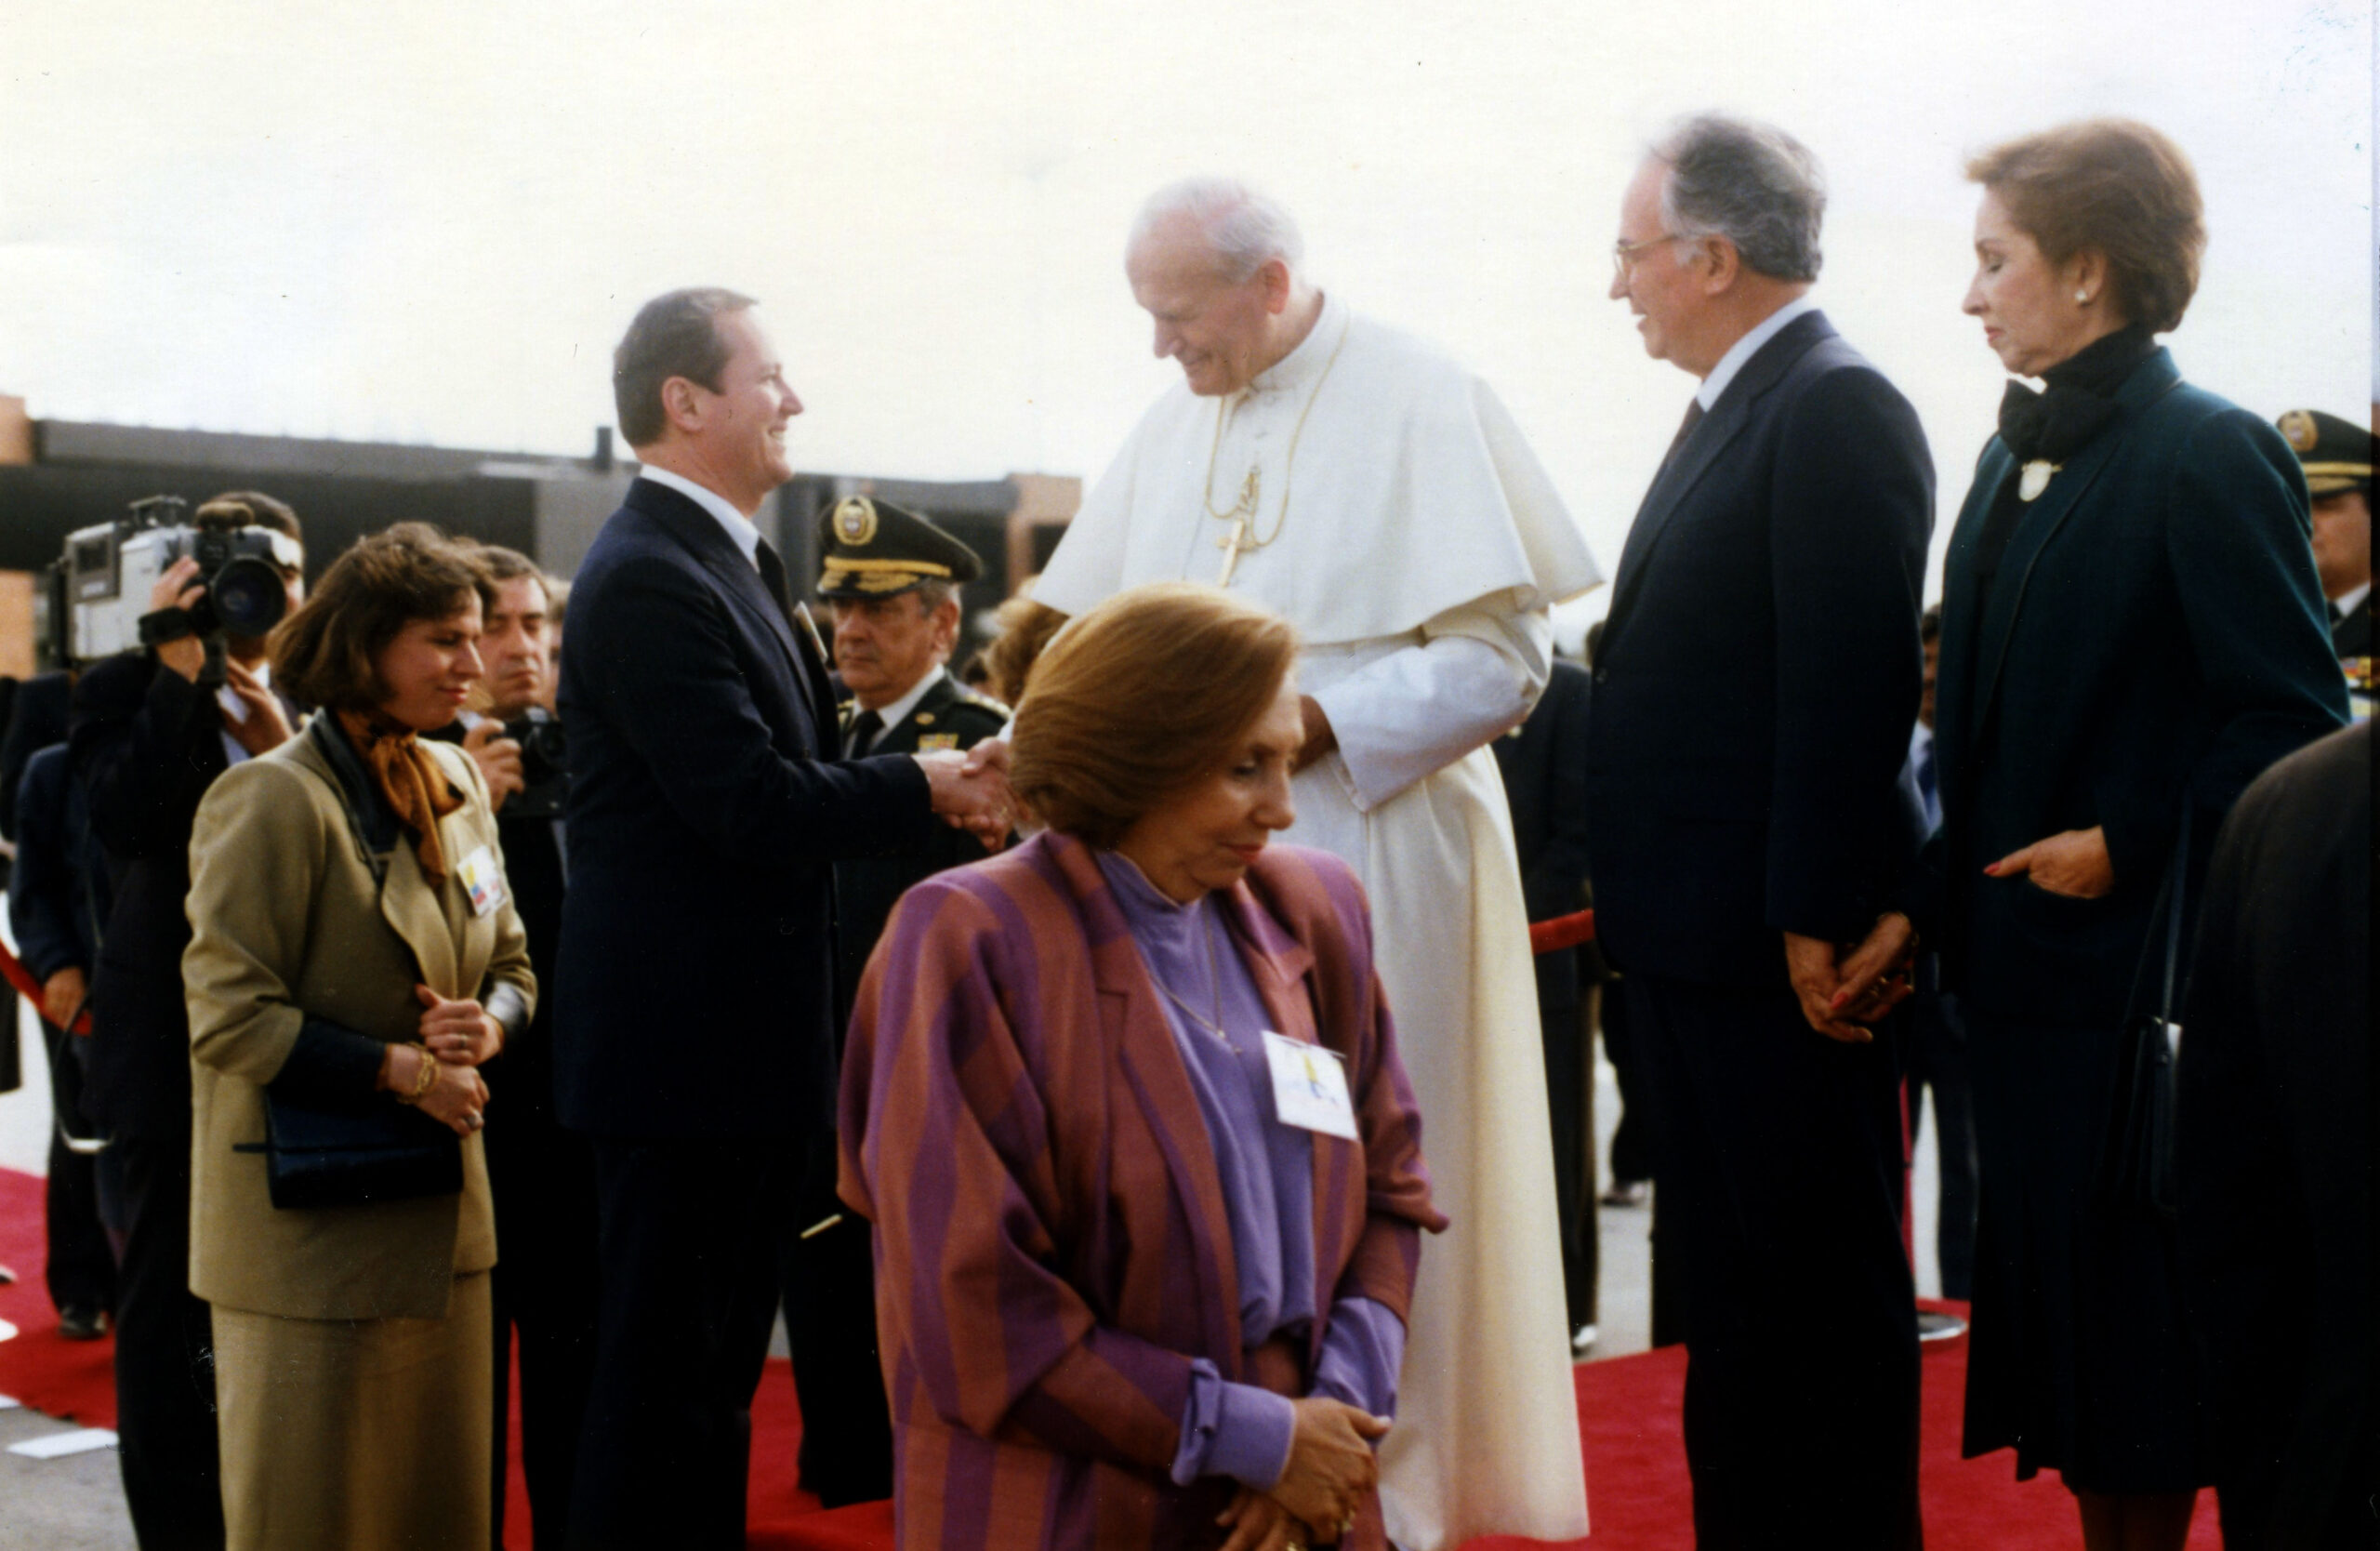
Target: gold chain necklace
{"x":1242,"y":513}
{"x":1214,"y":978}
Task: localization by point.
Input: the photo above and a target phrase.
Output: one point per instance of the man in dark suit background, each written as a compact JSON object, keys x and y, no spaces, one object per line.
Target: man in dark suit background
{"x":695,"y":986}
{"x":2273,"y":1153}
{"x":1543,"y":762}
{"x":547,"y":1275}
{"x":58,"y":902}
{"x":1752,"y":696}
{"x":148,"y":740}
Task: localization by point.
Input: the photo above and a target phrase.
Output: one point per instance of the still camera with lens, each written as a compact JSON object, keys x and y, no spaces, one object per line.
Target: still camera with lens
{"x":102,"y":593}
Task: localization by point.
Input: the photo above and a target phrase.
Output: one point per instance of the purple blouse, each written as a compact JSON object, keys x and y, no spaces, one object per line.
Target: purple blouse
{"x":1266,"y":1170}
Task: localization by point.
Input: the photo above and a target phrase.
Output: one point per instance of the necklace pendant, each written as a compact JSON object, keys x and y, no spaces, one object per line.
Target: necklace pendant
{"x":2036,"y":479}
{"x":1231,"y":544}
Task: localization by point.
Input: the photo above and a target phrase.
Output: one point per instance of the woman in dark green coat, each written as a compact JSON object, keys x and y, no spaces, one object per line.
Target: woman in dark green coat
{"x":2132,"y":632}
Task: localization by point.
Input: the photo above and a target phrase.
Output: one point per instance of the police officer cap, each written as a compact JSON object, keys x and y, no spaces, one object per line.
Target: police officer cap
{"x":2337,"y":454}
{"x":875,"y":549}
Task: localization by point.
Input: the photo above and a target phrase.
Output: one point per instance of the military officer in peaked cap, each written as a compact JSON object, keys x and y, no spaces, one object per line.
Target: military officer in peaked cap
{"x":892,"y":578}
{"x":2338,"y":458}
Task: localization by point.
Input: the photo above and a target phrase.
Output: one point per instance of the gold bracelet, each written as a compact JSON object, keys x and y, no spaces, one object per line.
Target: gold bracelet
{"x":424,"y":1073}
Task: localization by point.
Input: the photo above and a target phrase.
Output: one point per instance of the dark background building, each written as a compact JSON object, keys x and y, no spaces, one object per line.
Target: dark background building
{"x":58,"y":476}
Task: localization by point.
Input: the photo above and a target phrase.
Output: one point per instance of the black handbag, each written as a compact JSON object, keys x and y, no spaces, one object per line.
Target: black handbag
{"x":317,"y":1157}
{"x":2136,"y":1164}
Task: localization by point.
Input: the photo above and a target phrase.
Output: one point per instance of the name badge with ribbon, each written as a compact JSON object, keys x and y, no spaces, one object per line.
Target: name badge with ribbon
{"x":483,"y":878}
{"x":1310,"y":1087}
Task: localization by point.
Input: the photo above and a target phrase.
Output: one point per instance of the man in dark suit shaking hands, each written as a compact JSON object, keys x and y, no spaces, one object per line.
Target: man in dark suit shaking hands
{"x":695,"y":981}
{"x":1752,"y":698}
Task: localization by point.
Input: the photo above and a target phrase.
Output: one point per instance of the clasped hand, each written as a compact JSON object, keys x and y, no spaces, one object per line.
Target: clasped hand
{"x":459,"y":1032}
{"x":1842,"y":989}
{"x":970,"y":790}
{"x":1330,"y":1469}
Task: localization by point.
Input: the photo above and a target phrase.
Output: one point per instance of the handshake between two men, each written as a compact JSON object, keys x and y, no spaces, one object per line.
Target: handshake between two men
{"x":970,"y":790}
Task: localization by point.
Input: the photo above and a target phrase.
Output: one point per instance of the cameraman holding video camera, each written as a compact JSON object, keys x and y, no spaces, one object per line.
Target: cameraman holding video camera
{"x":542,"y":1175}
{"x":152,"y":729}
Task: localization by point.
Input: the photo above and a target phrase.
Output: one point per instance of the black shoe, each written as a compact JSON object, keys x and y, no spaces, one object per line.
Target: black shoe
{"x":78,"y":1323}
{"x":1627,"y":1192}
{"x":1932,"y":1326}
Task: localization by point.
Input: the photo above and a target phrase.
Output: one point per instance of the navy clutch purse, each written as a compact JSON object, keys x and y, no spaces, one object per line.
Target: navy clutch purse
{"x":316,"y":1156}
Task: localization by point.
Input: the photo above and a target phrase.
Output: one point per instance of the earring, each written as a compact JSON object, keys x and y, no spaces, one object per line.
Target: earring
{"x":2083,"y":296}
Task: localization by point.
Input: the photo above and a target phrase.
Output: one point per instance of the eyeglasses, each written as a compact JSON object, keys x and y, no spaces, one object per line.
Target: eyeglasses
{"x":1624,"y":254}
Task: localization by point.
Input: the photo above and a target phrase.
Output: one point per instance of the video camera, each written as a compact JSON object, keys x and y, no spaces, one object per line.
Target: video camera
{"x":104,"y":580}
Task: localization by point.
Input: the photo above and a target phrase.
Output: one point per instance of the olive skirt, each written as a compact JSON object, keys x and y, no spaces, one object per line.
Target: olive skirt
{"x":368,"y":1435}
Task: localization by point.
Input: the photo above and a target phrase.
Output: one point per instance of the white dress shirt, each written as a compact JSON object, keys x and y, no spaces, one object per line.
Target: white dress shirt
{"x":1745,"y":348}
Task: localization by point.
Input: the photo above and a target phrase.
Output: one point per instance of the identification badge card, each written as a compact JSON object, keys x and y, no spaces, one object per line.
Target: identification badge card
{"x":483,"y":878}
{"x":1310,"y":1087}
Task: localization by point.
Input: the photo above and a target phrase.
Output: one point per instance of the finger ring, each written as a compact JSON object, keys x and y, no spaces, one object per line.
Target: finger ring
{"x":473,"y":1120}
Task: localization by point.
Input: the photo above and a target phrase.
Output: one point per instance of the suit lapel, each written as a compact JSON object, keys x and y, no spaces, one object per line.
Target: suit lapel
{"x":1134,"y":1015}
{"x":417,"y":913}
{"x":702,"y":537}
{"x":1724,"y":422}
{"x":1280,"y":965}
{"x":2041,"y":523}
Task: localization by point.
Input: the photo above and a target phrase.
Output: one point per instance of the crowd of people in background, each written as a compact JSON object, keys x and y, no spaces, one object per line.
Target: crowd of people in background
{"x":424,"y":983}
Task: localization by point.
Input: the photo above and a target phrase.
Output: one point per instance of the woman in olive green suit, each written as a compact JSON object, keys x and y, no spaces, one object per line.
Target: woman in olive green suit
{"x":356,"y":946}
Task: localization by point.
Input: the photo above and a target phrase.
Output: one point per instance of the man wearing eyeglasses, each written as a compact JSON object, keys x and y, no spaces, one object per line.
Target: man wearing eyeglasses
{"x":1753,"y":691}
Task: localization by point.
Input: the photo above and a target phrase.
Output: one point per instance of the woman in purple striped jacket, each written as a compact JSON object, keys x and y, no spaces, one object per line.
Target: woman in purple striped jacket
{"x":1125,"y":1108}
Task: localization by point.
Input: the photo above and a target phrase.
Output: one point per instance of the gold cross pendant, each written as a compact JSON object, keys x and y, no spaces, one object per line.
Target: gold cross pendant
{"x":1231,"y":544}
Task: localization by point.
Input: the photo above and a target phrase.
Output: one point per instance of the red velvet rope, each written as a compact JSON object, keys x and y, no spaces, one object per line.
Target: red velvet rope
{"x":23,"y":980}
{"x":1552,"y":936}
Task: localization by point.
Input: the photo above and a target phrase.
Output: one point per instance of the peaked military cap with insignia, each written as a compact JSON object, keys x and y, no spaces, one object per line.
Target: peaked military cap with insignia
{"x":2336,"y":453}
{"x":873,"y":548}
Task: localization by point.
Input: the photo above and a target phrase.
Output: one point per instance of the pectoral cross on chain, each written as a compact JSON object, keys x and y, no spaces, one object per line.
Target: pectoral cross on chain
{"x":1232,"y":543}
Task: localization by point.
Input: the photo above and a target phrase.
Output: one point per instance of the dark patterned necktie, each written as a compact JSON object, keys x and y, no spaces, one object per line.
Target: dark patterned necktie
{"x":1685,"y":430}
{"x":772,"y":579}
{"x":864,"y":727}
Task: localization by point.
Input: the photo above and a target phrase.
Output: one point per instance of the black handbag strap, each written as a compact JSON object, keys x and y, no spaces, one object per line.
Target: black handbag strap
{"x":2170,"y":894}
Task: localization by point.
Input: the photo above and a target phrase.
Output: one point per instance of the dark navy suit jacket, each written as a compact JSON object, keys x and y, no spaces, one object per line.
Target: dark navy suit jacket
{"x":696,"y":982}
{"x":148,"y":743}
{"x":1759,"y":673}
{"x":2155,"y":638}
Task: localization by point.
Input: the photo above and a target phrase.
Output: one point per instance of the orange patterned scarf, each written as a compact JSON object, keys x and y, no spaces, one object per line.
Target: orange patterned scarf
{"x":410,"y":780}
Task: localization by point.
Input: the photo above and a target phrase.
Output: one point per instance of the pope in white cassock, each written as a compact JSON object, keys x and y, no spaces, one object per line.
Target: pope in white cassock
{"x":1379,"y":497}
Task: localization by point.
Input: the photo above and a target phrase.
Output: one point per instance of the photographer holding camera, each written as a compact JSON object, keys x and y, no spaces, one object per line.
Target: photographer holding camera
{"x":148,"y":737}
{"x":542,"y":1175}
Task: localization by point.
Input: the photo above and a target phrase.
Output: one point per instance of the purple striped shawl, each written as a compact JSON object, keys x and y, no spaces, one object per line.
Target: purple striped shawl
{"x":1050,"y":1245}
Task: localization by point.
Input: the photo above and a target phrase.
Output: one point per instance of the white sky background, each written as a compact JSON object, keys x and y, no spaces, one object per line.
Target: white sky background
{"x":429,"y":222}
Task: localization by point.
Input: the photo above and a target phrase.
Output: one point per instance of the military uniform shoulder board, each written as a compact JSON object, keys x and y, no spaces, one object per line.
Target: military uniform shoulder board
{"x":984,"y":702}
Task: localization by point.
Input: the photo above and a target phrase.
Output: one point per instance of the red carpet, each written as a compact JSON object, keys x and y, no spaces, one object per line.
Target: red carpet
{"x":1628,"y":1407}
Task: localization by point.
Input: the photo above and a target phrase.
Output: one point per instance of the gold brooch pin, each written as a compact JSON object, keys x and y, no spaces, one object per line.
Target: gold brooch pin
{"x":2036,"y":478}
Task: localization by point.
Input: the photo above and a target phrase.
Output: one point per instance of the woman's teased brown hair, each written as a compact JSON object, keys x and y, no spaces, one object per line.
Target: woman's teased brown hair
{"x":321,"y":654}
{"x":1140,"y":698}
{"x":2114,"y":185}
